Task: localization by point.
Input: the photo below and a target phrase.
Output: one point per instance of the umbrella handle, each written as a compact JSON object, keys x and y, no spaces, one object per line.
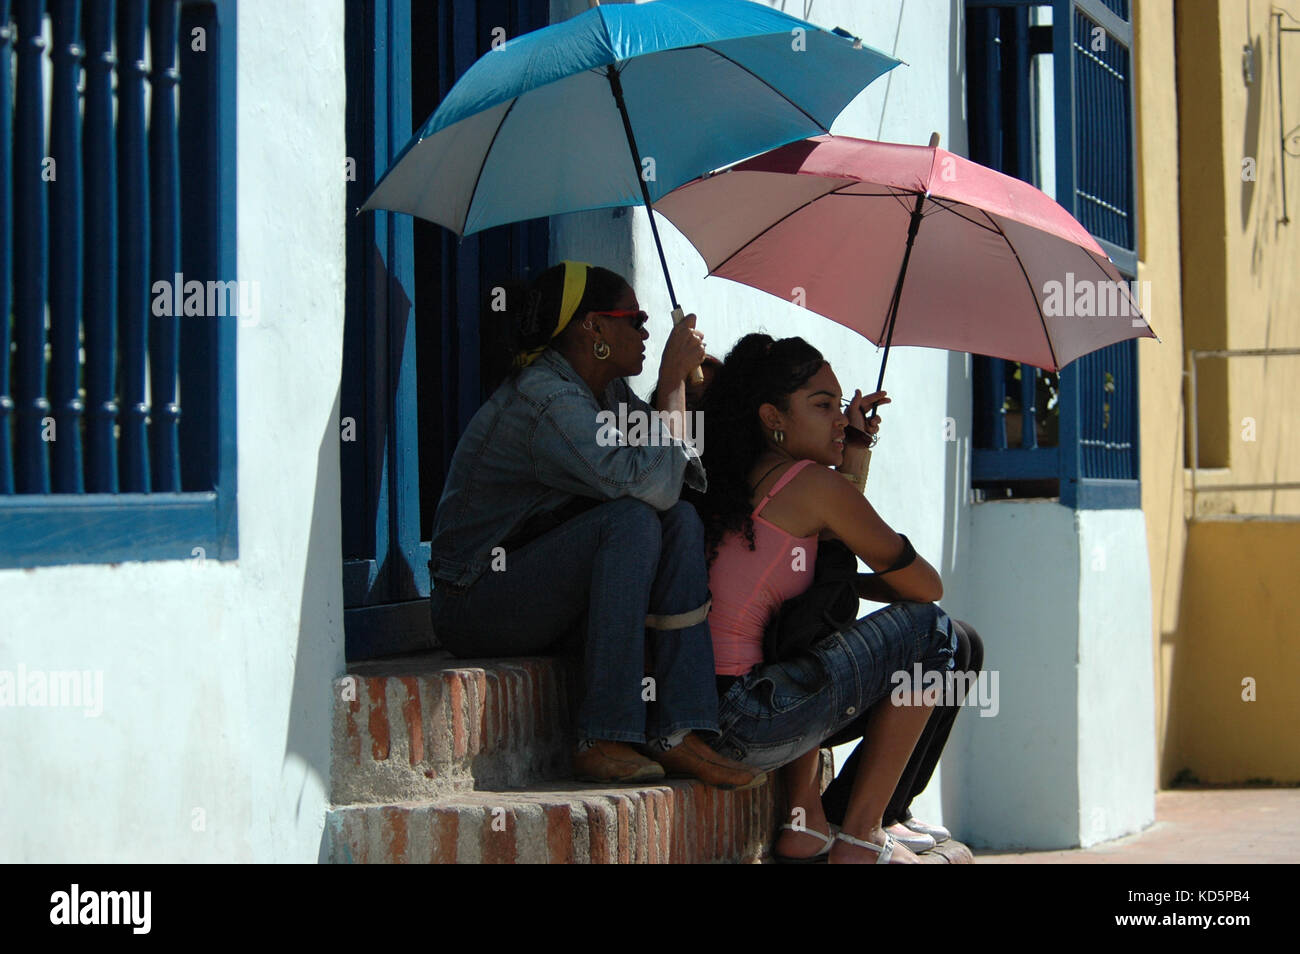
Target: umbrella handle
{"x":696,"y":376}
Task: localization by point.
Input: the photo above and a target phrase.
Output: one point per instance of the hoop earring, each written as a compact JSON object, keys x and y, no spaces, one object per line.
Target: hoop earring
{"x":601,"y":350}
{"x":778,"y":435}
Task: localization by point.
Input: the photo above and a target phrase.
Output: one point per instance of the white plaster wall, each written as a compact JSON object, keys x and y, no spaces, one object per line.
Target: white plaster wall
{"x":1058,"y":598}
{"x":217,"y":675}
{"x":1010,"y":779}
{"x":1117,"y":746}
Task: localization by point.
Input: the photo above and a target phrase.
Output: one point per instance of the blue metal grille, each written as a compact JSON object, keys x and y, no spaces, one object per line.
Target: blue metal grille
{"x":1107,"y":419}
{"x":1117,"y":7}
{"x":1103,"y":187}
{"x":1074,"y":434}
{"x":102,"y":203}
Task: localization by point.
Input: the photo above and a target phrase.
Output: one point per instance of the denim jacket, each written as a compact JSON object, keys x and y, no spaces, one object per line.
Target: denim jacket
{"x":534,"y":446}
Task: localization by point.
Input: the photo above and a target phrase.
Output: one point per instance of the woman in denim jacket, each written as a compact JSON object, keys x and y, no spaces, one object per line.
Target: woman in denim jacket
{"x":777,"y":463}
{"x":552,"y":521}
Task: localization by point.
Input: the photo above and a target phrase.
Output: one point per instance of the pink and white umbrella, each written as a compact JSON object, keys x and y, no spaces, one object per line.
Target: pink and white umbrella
{"x":911,"y":245}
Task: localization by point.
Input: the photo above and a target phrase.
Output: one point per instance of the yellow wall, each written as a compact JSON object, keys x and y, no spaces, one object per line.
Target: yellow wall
{"x":1235,"y":278}
{"x":1160,"y":366}
{"x":1239,"y":609}
{"x":1241,"y":264}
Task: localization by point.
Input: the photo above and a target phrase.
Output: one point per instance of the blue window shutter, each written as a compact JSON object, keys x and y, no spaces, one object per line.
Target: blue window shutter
{"x":94,"y":239}
{"x":412,"y":352}
{"x":1096,"y":462}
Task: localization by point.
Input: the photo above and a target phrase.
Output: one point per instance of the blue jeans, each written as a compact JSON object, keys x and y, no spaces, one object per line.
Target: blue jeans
{"x":776,"y":712}
{"x":611,"y":565}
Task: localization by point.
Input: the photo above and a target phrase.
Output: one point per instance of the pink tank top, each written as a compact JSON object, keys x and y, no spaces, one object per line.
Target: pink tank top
{"x":749,"y":586}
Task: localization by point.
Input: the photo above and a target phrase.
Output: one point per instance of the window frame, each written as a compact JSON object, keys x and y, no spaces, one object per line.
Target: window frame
{"x":106,"y":528}
{"x":1065,"y":462}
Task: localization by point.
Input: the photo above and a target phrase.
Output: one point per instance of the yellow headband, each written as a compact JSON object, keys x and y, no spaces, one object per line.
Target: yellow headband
{"x":575,"y":284}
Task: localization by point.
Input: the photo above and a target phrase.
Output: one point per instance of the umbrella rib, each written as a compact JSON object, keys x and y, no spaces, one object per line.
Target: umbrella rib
{"x":778,"y":92}
{"x":950,"y":208}
{"x":1039,"y":308}
{"x":769,"y":228}
{"x":486,"y":153}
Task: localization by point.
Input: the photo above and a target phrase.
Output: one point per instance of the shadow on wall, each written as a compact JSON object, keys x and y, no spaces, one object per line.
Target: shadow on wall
{"x":958,"y":142}
{"x":1250,"y":132}
{"x":956,"y":558}
{"x":319,"y":656}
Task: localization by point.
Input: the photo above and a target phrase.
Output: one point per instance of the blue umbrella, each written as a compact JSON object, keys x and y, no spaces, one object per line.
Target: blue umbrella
{"x":620,"y":105}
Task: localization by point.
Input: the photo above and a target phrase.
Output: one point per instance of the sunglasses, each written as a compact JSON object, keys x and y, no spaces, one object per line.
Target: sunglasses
{"x":638,"y":318}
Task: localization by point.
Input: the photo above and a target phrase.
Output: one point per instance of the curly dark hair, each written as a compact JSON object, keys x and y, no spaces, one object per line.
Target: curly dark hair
{"x":519,"y":315}
{"x":758,"y":370}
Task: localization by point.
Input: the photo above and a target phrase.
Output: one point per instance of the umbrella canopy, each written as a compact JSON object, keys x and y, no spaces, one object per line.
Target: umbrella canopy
{"x":993,"y":266}
{"x":537,"y":128}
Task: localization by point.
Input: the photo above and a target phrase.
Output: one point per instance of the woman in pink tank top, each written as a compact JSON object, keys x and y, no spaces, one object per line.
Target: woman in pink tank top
{"x":776,"y":461}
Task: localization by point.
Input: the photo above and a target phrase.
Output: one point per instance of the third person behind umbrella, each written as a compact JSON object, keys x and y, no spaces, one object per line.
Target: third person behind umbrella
{"x":776,"y":431}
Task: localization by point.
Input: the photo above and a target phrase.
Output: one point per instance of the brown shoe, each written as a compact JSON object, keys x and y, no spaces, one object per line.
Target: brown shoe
{"x":614,"y":762}
{"x":694,"y":759}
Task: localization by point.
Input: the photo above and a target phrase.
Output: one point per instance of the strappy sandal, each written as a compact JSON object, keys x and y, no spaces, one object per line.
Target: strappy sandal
{"x":883,"y":853}
{"x":817,"y":859}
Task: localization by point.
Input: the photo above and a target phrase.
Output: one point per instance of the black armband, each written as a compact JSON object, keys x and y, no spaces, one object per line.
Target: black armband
{"x":905,"y":559}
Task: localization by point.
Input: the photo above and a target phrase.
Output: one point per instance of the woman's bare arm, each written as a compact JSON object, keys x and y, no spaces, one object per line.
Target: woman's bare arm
{"x":841,"y":509}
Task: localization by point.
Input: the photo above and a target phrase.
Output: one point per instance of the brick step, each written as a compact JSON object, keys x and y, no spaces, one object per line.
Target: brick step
{"x":425,"y":727}
{"x":672,"y":821}
{"x":438,"y":759}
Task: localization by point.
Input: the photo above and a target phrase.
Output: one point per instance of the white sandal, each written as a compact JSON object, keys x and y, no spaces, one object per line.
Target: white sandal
{"x":818,"y":858}
{"x":883,"y":853}
{"x":937,"y":832}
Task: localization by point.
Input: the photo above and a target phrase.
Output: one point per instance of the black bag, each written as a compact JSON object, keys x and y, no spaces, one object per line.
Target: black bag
{"x":826,"y":607}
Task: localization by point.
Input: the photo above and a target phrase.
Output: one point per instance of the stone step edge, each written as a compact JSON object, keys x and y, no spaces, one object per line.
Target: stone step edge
{"x":668,"y":822}
{"x":426,"y":727}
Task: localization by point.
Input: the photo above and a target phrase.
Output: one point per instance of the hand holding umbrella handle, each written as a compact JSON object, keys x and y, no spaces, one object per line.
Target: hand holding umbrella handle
{"x":696,"y":376}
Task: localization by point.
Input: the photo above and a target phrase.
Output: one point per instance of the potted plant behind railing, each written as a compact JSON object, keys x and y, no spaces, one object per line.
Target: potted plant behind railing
{"x":1047,"y":416}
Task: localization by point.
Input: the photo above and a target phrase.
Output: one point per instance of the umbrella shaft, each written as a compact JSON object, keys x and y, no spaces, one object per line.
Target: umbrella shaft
{"x":616,"y":87}
{"x":912,"y":229}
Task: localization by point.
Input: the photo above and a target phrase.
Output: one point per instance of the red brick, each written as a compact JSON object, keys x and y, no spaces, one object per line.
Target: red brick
{"x":700,"y":834}
{"x":498,"y":846}
{"x":446,"y":837}
{"x":477,"y":693}
{"x":652,"y":827}
{"x":456,"y":702}
{"x":624,"y":854}
{"x":597,"y":835}
{"x":728,"y":815}
{"x":559,"y":834}
{"x":414,"y":719}
{"x":395,"y":834}
{"x":665,"y":823}
{"x":378,"y":721}
{"x":352,"y":734}
{"x":491,"y":722}
{"x":639,"y":837}
{"x":514,"y":725}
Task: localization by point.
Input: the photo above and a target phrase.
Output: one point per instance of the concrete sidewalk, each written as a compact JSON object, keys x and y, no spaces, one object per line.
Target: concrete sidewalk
{"x":1194,"y":826}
